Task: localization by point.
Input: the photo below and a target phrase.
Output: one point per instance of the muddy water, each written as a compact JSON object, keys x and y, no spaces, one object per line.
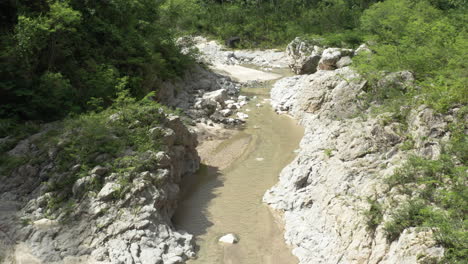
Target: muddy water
{"x":229,"y":200}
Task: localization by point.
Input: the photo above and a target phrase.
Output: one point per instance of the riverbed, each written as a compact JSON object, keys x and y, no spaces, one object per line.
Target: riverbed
{"x":227,"y":197}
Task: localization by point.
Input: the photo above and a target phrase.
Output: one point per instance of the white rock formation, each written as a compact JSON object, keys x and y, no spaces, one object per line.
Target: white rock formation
{"x":342,"y":161}
{"x":212,"y":52}
{"x":304,"y":56}
{"x":228,"y":239}
{"x":120,"y":221}
{"x":242,"y":116}
{"x":331,"y":56}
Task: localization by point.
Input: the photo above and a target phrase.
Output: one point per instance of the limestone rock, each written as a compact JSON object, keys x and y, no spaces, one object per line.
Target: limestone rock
{"x":322,"y":197}
{"x":99,"y":170}
{"x":229,"y":239}
{"x":362,"y":49}
{"x":399,"y":80}
{"x":344,"y":61}
{"x":304,"y":56}
{"x":225,"y":112}
{"x":331,"y":56}
{"x":108,"y":191}
{"x":217,"y":96}
{"x":163,"y":159}
{"x":413,"y":240}
{"x":79,"y":187}
{"x":212,"y":53}
{"x":242,"y":116}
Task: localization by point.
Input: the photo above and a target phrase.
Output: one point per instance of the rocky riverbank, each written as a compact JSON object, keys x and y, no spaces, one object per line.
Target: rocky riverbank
{"x":115,"y":213}
{"x":344,"y":157}
{"x":119,"y":211}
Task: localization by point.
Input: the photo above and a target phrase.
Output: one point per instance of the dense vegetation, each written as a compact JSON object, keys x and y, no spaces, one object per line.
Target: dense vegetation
{"x":441,"y":199}
{"x":85,"y":60}
{"x":419,"y":37}
{"x":56,"y":56}
{"x":117,"y":138}
{"x":79,"y":62}
{"x":269,"y":23}
{"x":427,"y":37}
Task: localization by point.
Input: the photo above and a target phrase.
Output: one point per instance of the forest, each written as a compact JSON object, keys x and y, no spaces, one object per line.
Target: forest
{"x":68,"y":57}
{"x":74,"y":59}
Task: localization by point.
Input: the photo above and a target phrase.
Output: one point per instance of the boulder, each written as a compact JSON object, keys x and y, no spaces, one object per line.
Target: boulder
{"x":166,"y":135}
{"x":162,"y":159}
{"x":362,"y":49}
{"x":343,"y":62}
{"x":331,"y":56}
{"x":99,"y":170}
{"x":226,"y":112}
{"x":79,"y":187}
{"x":242,"y":116}
{"x":400,"y":80}
{"x":108,"y":191}
{"x":304,"y":57}
{"x":229,"y":239}
{"x":212,"y":101}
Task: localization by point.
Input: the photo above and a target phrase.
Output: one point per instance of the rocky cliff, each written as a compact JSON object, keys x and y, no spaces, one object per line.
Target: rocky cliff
{"x":119,"y":212}
{"x":345,"y":155}
{"x":57,"y":209}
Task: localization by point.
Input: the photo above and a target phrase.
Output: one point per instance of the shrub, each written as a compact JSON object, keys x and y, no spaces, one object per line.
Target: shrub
{"x":374,"y":214}
{"x":411,"y":214}
{"x":419,"y":37}
{"x":440,"y":196}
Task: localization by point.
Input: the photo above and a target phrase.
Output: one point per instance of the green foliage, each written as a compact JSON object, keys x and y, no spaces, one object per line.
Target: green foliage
{"x":55,"y":56}
{"x":117,"y":138}
{"x":413,"y":213}
{"x":421,"y":38}
{"x":328,"y":152}
{"x":407,"y":144}
{"x":441,"y":196}
{"x":374,"y":214}
{"x":9,"y":163}
{"x":268,"y":23}
{"x":13,"y":131}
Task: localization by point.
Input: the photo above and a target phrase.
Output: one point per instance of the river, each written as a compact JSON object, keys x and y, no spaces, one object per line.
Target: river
{"x":229,"y":200}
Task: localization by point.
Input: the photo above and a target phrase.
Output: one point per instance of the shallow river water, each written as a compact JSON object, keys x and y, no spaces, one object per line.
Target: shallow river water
{"x":217,"y":202}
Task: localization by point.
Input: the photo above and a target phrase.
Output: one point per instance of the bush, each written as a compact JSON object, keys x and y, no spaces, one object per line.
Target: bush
{"x":374,"y":214}
{"x":419,"y":37}
{"x":441,"y":196}
{"x":413,"y":213}
{"x":93,"y":139}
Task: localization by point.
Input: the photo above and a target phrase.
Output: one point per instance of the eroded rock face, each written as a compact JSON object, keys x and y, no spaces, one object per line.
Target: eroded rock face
{"x":304,"y":56}
{"x":110,"y":217}
{"x":342,"y":161}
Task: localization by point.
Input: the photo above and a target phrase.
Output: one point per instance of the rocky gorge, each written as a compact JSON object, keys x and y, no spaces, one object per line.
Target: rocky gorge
{"x":345,"y":155}
{"x":125,"y":216}
{"x":59,"y":211}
